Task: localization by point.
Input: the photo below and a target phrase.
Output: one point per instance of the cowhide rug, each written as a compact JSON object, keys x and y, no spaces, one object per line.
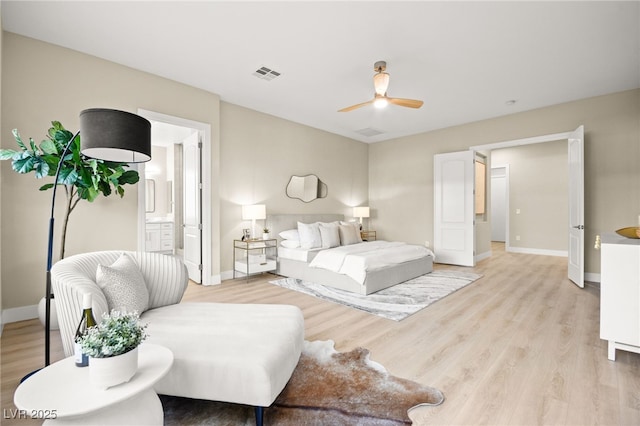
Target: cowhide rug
{"x":326,"y":388}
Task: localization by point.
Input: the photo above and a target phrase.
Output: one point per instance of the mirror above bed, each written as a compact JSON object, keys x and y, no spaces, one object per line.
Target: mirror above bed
{"x":306,"y":188}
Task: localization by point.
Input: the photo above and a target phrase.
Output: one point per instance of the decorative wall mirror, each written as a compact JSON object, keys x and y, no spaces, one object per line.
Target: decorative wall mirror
{"x":306,"y":188}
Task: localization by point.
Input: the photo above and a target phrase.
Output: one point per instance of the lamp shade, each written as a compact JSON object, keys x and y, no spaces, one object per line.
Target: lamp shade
{"x":254,"y":211}
{"x":361,"y":212}
{"x":112,"y":135}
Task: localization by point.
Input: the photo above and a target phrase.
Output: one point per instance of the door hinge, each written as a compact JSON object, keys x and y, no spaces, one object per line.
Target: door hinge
{"x":200,"y":226}
{"x":200,"y":267}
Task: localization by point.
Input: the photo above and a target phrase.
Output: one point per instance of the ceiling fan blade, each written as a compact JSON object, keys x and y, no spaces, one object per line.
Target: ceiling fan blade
{"x":356,"y":106}
{"x":409,"y":103}
{"x":381,"y":83}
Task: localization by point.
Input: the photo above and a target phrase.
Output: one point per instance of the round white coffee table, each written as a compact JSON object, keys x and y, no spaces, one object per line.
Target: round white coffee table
{"x":62,"y":394}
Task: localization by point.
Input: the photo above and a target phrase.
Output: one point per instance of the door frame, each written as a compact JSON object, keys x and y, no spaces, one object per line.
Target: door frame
{"x":555,"y":137}
{"x":204,"y":130}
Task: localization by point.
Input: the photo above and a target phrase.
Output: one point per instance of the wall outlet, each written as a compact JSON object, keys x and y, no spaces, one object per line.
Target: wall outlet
{"x":517,"y":211}
{"x":517,"y":237}
{"x":426,"y":243}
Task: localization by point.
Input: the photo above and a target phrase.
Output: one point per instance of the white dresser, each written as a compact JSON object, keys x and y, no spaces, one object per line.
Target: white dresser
{"x":159,"y":237}
{"x":620,"y":293}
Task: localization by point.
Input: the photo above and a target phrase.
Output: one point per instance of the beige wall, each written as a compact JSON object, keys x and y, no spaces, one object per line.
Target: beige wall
{"x":41,"y":83}
{"x":401,"y":171}
{"x":253,"y":165}
{"x":261,"y":152}
{"x":538,"y":188}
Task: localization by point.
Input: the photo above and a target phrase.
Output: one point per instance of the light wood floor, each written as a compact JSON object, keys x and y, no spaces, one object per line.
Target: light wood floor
{"x":520,"y":346}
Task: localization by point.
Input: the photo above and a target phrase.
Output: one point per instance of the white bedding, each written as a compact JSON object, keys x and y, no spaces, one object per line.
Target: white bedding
{"x":356,"y":260}
{"x":300,"y":254}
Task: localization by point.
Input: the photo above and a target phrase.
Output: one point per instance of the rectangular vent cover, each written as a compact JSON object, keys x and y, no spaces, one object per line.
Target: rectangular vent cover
{"x":266,"y":73}
{"x":369,"y":131}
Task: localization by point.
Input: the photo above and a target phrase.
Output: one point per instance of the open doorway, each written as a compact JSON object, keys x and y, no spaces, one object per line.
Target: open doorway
{"x":173,"y":198}
{"x":453,"y":198}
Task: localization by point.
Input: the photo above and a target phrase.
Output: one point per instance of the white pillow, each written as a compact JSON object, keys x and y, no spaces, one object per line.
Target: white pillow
{"x":356,"y":225}
{"x":329,"y":235}
{"x":290,"y":234}
{"x":123,"y":285}
{"x":309,"y":235}
{"x":290,"y":243}
{"x":348,"y":235}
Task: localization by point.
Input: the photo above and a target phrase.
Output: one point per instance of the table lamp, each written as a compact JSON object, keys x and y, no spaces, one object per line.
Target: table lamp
{"x":253,"y":212}
{"x":361,"y":212}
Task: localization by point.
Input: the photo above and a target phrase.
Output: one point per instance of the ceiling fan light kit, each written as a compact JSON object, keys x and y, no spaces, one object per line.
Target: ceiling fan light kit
{"x":380,"y":85}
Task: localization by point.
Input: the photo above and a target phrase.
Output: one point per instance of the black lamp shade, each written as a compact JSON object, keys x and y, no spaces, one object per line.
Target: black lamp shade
{"x":112,"y":135}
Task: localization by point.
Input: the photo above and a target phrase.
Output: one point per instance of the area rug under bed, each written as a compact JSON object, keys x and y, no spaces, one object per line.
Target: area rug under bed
{"x":394,"y":303}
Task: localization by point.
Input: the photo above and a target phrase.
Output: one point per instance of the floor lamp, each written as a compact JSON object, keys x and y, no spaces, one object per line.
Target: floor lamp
{"x":108,"y":135}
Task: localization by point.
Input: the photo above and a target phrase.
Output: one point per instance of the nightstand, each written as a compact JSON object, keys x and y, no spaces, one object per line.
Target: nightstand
{"x":368,"y":235}
{"x":254,"y":256}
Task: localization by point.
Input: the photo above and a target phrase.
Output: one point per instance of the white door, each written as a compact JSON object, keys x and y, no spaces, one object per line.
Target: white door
{"x":454,"y":208}
{"x":576,"y":206}
{"x":192,"y":207}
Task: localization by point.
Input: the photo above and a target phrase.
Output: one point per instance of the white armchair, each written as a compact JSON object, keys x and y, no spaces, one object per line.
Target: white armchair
{"x":239,"y":353}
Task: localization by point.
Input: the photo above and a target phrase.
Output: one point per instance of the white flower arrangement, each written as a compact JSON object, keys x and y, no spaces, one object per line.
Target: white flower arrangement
{"x":118,"y":333}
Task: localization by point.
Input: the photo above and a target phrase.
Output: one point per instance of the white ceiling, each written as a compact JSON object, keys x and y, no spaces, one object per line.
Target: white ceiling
{"x":465,"y":60}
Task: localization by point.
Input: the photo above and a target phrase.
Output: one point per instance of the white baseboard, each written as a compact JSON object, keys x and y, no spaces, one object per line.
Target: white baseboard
{"x":592,"y":277}
{"x":19,"y":314}
{"x":215,"y":280}
{"x":544,"y":252}
{"x":483,"y":256}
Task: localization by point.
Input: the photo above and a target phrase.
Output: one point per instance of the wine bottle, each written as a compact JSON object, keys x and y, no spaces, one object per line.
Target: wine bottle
{"x":86,"y":321}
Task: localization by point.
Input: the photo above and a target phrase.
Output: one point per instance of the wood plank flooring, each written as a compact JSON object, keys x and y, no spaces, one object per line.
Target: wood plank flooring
{"x":520,"y":346}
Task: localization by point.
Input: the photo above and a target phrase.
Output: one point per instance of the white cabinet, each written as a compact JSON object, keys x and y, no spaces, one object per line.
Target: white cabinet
{"x":620,"y":293}
{"x":159,"y":237}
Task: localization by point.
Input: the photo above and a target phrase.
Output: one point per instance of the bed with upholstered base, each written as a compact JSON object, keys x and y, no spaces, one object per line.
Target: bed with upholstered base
{"x":375,"y":280}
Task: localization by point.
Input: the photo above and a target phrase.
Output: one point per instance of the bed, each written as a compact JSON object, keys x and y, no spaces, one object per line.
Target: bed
{"x":395,"y":263}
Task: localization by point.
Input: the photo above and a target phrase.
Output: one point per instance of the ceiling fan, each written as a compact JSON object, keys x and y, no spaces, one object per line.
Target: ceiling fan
{"x":380,"y":99}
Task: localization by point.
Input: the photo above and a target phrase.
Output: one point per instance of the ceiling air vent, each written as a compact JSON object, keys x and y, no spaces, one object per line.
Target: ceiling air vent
{"x":369,"y":132}
{"x":266,"y":73}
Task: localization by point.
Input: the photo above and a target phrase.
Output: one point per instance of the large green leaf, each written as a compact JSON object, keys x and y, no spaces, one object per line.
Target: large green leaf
{"x":7,"y":154}
{"x":18,"y":139}
{"x":48,"y":147}
{"x":24,"y":164}
{"x":130,"y":177}
{"x":41,"y":167}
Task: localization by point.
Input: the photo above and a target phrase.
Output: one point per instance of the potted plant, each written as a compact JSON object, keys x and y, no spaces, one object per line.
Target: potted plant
{"x":112,"y":347}
{"x":265,"y":233}
{"x":83,"y":178}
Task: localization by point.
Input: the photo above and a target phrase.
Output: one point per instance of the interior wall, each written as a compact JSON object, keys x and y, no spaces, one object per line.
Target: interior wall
{"x":401,"y":170}
{"x":538,"y":195}
{"x":42,"y":82}
{"x":261,"y":152}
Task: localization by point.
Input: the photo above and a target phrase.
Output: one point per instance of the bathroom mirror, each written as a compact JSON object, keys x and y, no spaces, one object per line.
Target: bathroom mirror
{"x":306,"y":188}
{"x":150,"y":195}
